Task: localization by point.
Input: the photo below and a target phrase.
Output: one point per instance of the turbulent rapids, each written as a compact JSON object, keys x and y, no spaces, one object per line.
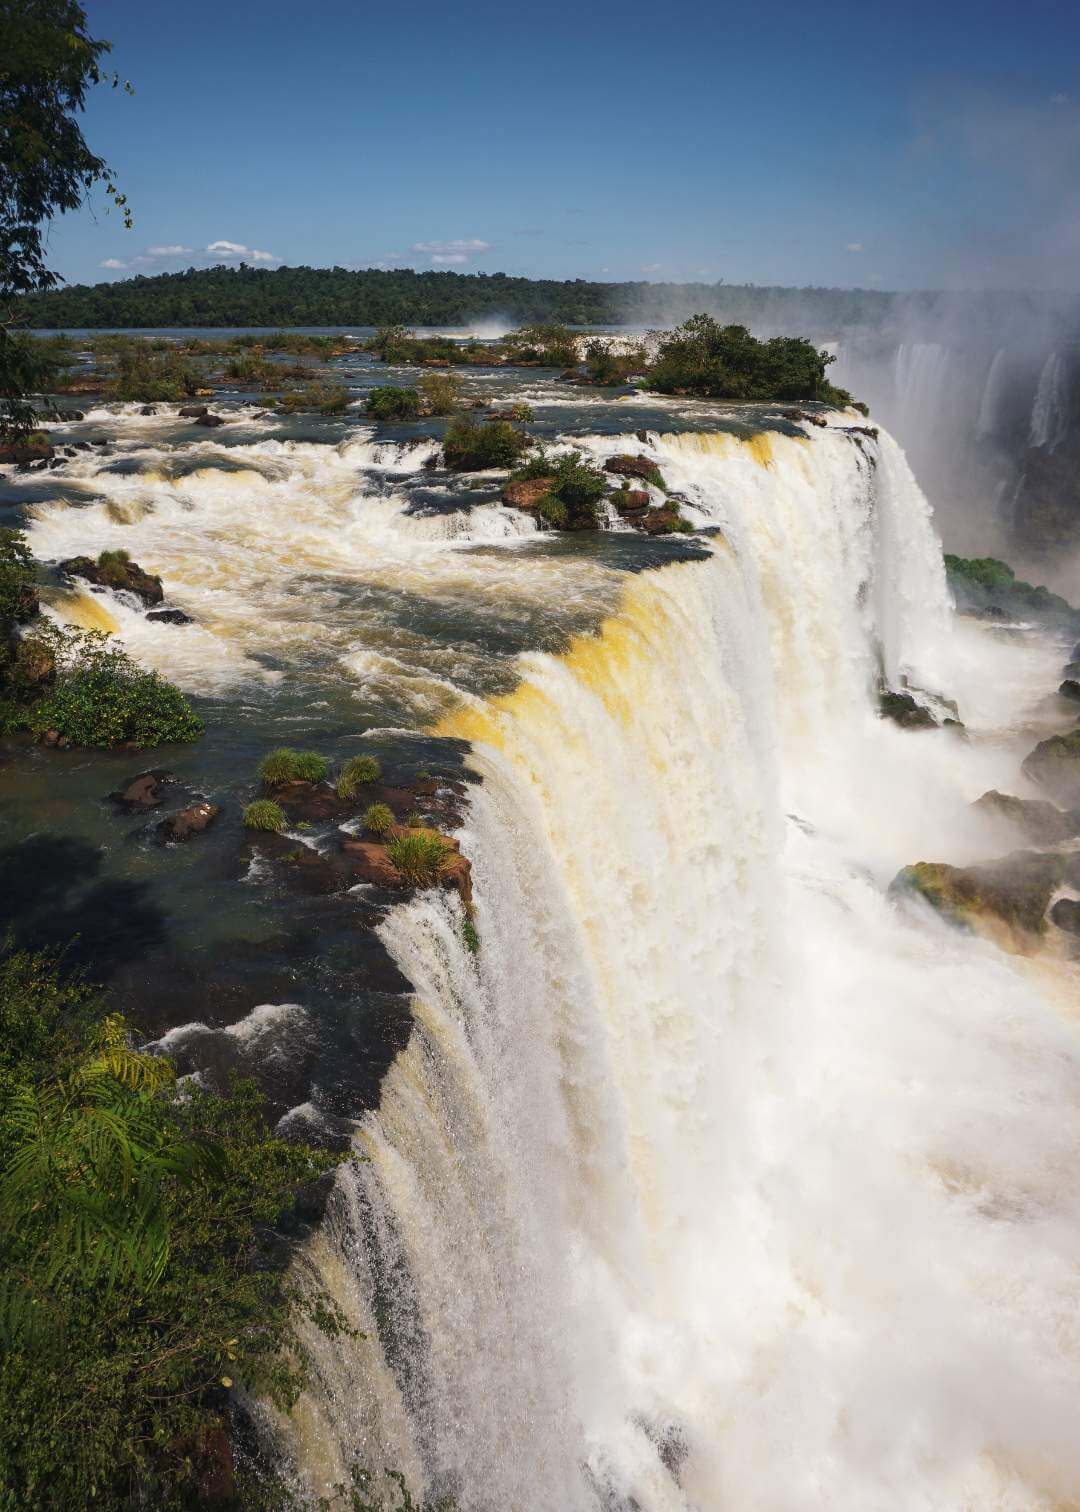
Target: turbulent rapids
{"x":717,"y":1178}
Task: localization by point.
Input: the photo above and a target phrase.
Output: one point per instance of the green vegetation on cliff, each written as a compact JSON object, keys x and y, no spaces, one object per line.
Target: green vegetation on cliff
{"x":713,"y":361}
{"x":145,"y":1273}
{"x":986,"y":585}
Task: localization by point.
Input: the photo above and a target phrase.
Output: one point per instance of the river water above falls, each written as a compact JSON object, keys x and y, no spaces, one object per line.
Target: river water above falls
{"x":716,"y":1179}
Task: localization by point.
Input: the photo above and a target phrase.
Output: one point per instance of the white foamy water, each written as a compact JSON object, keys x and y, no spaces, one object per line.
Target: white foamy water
{"x":717,"y":1180}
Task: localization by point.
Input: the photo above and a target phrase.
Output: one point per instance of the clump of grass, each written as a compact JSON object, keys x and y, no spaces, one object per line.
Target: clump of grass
{"x":378,"y":820}
{"x":415,"y":819}
{"x":355,"y":773}
{"x":471,"y":937}
{"x":264,"y":814}
{"x":421,"y":858}
{"x":114,"y":565}
{"x":286,"y":765}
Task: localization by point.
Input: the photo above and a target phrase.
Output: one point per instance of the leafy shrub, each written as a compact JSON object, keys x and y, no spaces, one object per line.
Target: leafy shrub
{"x":143,"y":375}
{"x":472,"y":447}
{"x":522,"y":412}
{"x":101,"y":698}
{"x":440,"y":393}
{"x":378,"y":819}
{"x":250,"y":369}
{"x":422,"y":857}
{"x":704,"y":358}
{"x":17,"y":576}
{"x":328,"y":398}
{"x":287,"y":765}
{"x":356,"y":773}
{"x":143,"y":1277}
{"x":552,"y":344}
{"x":390,"y":403}
{"x":575,"y":493}
{"x":264,"y":814}
{"x":605,"y":366}
{"x":114,"y":565}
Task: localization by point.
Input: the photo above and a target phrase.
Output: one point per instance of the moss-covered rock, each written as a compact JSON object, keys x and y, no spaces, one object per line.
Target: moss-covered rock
{"x":1054,"y":764}
{"x":1006,"y":899}
{"x":115,"y":569}
{"x":625,"y":466}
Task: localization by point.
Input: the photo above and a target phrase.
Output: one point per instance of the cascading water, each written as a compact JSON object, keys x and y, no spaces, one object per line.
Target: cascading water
{"x":1050,"y":411}
{"x":714,"y":1180}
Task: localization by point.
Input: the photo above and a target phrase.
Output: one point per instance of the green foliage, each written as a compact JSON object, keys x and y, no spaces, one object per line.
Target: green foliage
{"x":378,"y":820}
{"x":251,"y":370}
{"x":986,"y":582}
{"x":704,"y":358}
{"x":264,"y":814}
{"x":102,"y":698}
{"x":471,"y":937}
{"x":142,"y":1278}
{"x":390,"y":403}
{"x":987,"y":572}
{"x":440,"y":393}
{"x":549,"y":343}
{"x":472,"y":447}
{"x":114,"y":565}
{"x":328,"y":398}
{"x":356,"y":773}
{"x":17,"y":576}
{"x":422,"y":857}
{"x":522,"y":413}
{"x":576,"y":490}
{"x":286,"y":765}
{"x":50,"y":63}
{"x":605,"y":366}
{"x":143,"y":375}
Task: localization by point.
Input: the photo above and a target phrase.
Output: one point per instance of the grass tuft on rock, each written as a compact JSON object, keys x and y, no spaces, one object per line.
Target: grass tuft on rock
{"x":265,"y":814}
{"x":378,"y":820}
{"x":286,"y":765}
{"x":355,"y":774}
{"x":422,"y":857}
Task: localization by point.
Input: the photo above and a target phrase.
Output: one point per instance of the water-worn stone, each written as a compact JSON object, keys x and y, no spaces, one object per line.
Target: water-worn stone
{"x":145,"y":791}
{"x":210,"y":420}
{"x":631,"y":501}
{"x":188,"y":822}
{"x":1054,"y":764}
{"x":905,"y":711}
{"x":526,"y":493}
{"x":170,"y":617}
{"x":192,"y":411}
{"x":127,"y":576}
{"x":1066,"y":915}
{"x":1035,"y":818}
{"x":1070,"y":689}
{"x":1004,"y":899}
{"x":635,"y":467}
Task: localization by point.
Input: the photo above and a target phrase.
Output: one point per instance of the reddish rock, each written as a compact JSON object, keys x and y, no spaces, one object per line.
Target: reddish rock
{"x":192,"y":411}
{"x":630,"y":501}
{"x":210,"y":420}
{"x":144,"y":791}
{"x":526,"y":493}
{"x":665,"y":521}
{"x":188,"y":822}
{"x":371,"y":863}
{"x":634,"y":467}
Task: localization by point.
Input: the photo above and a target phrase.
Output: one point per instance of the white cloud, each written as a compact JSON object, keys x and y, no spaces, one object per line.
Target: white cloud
{"x":855,"y":247}
{"x":113,"y":262}
{"x":230,"y":251}
{"x":449,"y":257}
{"x":651,"y":267}
{"x":460,"y":246}
{"x":173,"y":250}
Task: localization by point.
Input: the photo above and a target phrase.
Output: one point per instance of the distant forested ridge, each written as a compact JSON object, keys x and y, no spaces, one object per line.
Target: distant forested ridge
{"x":281,"y":297}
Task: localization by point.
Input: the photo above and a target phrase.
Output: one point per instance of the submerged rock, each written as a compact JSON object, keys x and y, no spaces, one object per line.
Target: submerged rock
{"x":117,"y":573}
{"x":145,"y":791}
{"x":210,"y":420}
{"x":188,"y":822}
{"x":1070,"y":689}
{"x":170,"y":617}
{"x":1004,"y":899}
{"x":1035,"y":818}
{"x":1054,"y":764}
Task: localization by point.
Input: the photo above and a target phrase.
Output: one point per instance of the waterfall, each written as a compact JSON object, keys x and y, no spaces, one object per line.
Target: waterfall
{"x":713,"y":1180}
{"x":991,"y":405}
{"x":1050,"y":411}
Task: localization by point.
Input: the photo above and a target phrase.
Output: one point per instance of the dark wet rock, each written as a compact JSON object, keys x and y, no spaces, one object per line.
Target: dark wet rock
{"x":905,"y":711}
{"x":35,"y":447}
{"x":635,"y":467}
{"x":170,"y":617}
{"x":1054,"y":764}
{"x":192,"y":411}
{"x":1005,"y":900}
{"x":146,"y":791}
{"x":210,"y":420}
{"x":1070,"y":689}
{"x":526,"y":493}
{"x":630,"y":501}
{"x":1035,"y":818}
{"x":55,"y":741}
{"x":665,"y":521}
{"x":1066,"y":915}
{"x":188,"y":822}
{"x":127,"y":576}
{"x":148,"y":409}
{"x":642,"y":436}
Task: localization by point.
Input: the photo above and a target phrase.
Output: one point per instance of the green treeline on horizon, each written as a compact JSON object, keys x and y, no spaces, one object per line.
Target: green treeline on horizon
{"x":302,"y":296}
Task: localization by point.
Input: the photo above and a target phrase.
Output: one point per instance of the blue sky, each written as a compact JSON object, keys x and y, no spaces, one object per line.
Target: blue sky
{"x":897,"y":146}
